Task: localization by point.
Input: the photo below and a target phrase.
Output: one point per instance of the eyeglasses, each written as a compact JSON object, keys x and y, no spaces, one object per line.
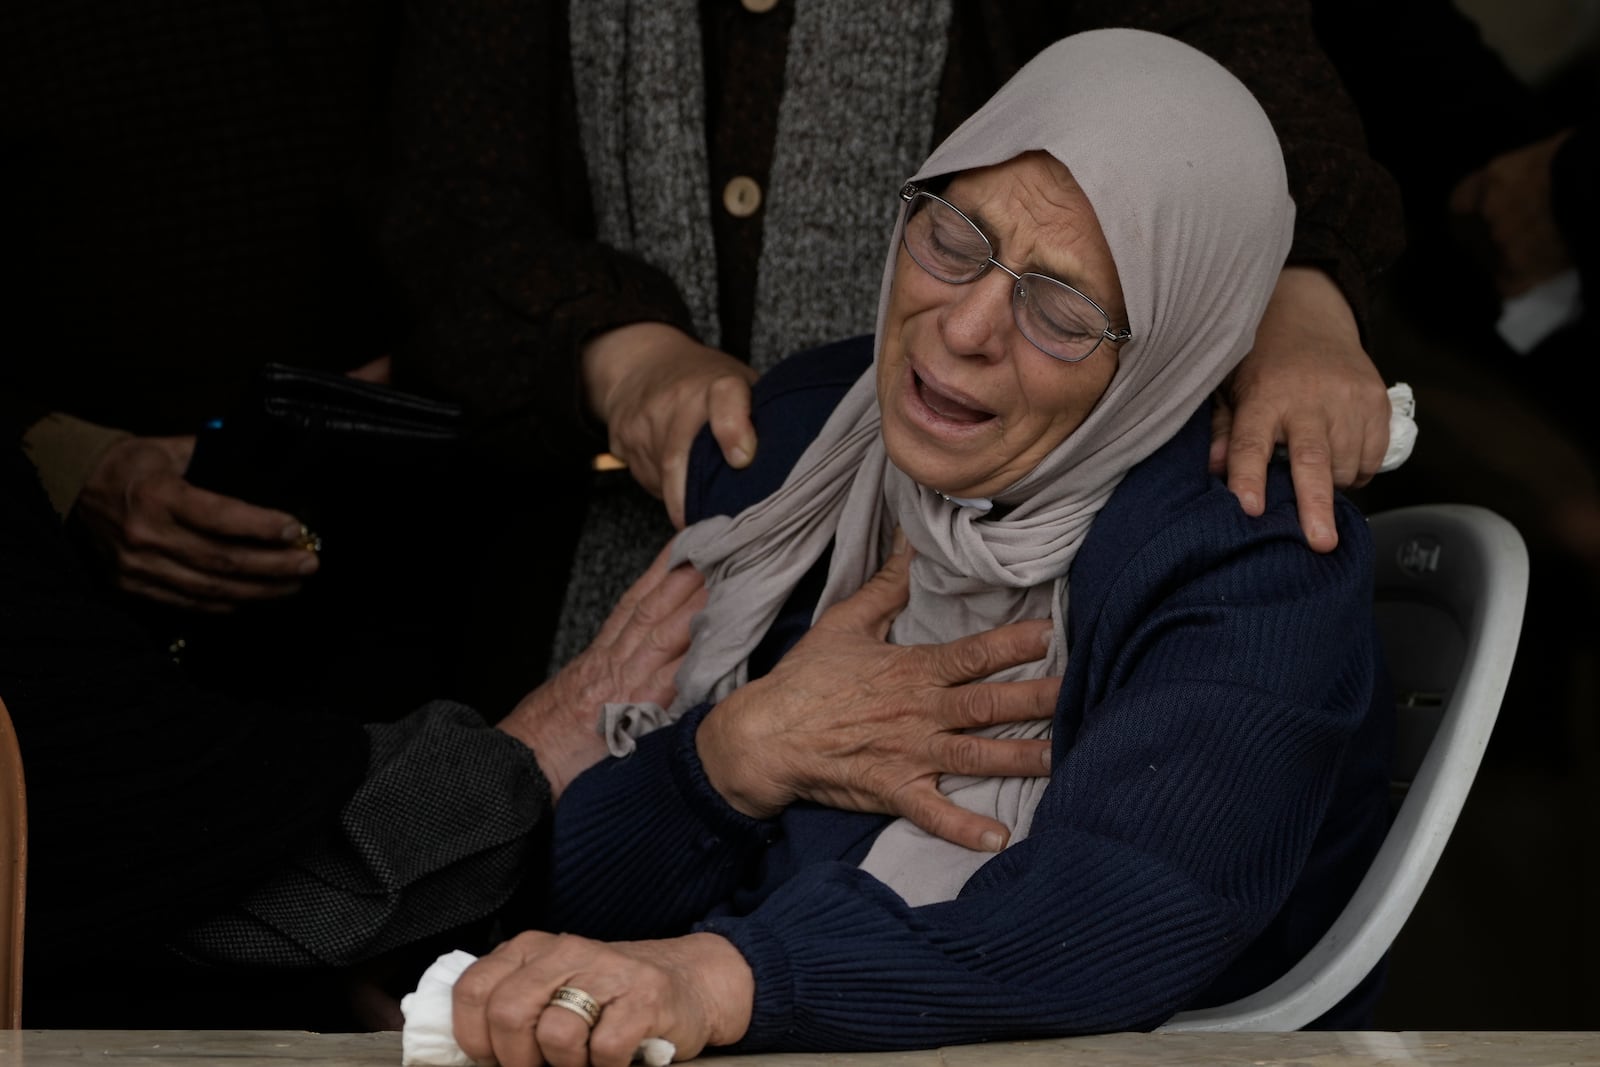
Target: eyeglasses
{"x":1060,"y":321}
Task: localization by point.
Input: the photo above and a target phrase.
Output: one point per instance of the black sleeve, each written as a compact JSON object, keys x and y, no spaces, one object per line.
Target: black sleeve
{"x":489,"y":227}
{"x":437,"y":835}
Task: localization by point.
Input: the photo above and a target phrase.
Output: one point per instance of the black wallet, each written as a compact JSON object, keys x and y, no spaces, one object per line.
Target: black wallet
{"x":324,"y":447}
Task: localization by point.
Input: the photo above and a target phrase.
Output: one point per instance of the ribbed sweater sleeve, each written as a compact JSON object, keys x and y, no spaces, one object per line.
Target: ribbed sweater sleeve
{"x":1178,"y":819}
{"x":652,"y":816}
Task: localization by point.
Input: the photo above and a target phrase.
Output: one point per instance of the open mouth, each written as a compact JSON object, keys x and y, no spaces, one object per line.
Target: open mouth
{"x":946,"y":406}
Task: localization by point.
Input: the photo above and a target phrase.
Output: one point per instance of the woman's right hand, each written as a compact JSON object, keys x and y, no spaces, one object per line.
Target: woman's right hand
{"x":847,"y":720}
{"x":694,"y":991}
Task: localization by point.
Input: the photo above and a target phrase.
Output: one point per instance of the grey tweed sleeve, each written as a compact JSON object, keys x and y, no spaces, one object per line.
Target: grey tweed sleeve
{"x":438,"y":834}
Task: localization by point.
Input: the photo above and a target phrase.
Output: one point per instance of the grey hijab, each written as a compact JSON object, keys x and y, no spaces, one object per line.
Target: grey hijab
{"x":1185,"y":175}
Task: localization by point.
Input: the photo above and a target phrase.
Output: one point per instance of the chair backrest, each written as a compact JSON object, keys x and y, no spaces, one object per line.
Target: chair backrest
{"x":1451,"y":585}
{"x":13,"y":870}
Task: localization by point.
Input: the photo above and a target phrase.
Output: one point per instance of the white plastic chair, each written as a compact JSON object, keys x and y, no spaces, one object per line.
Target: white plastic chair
{"x":1451,"y":585}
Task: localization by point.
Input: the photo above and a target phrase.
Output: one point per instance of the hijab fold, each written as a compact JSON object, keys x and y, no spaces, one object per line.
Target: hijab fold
{"x":1186,"y":178}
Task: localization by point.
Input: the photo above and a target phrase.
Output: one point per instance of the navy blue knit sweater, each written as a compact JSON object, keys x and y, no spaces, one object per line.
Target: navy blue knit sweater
{"x":1218,"y":787}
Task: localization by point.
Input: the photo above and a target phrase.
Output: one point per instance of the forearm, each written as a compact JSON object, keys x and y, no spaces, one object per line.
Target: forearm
{"x":1117,"y":912}
{"x":438,"y":834}
{"x":992,"y":968}
{"x":649,"y":820}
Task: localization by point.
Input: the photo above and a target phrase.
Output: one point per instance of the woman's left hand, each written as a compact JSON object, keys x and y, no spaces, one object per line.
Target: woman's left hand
{"x":1309,"y":384}
{"x":693,"y":991}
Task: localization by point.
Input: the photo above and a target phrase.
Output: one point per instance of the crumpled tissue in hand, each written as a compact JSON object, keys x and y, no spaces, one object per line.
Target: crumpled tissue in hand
{"x":428,"y":1038}
{"x":1402,"y":426}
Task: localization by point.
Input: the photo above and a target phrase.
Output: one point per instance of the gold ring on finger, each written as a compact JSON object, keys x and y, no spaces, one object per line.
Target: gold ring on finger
{"x":578,"y":1002}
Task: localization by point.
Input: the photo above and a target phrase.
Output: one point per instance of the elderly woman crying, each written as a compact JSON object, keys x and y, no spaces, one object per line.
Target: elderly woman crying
{"x":1023,"y":445}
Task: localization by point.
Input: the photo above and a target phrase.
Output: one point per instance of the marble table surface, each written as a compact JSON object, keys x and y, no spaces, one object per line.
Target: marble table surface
{"x":274,"y":1048}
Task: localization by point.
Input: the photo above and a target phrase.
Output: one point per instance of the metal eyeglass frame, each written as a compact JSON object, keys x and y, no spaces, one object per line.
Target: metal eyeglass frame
{"x":909,"y":193}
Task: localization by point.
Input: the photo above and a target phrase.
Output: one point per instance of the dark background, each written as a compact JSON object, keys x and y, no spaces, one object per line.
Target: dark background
{"x":1507,"y":934}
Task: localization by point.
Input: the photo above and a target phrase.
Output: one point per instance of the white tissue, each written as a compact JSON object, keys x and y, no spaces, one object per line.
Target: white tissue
{"x":1402,"y":427}
{"x":428,"y":1038}
{"x":655,"y":1052}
